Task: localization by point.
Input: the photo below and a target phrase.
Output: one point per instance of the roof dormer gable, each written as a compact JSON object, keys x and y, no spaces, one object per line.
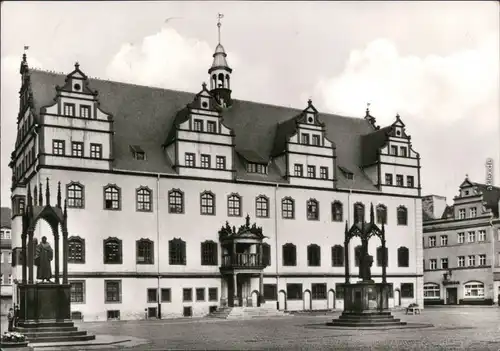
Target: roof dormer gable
{"x":309,"y":116}
{"x":204,"y":101}
{"x":76,"y":82}
{"x":397,"y":129}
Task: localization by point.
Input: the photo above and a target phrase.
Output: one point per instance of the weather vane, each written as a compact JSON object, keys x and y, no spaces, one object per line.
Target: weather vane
{"x":219,"y":17}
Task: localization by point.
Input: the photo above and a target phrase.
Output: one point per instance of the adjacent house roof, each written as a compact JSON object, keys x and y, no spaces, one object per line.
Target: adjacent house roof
{"x":371,"y":143}
{"x":491,"y":196}
{"x":5,"y":217}
{"x":145,"y":116}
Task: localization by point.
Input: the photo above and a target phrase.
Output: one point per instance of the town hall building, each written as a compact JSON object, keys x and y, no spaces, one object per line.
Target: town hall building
{"x":180,"y":203}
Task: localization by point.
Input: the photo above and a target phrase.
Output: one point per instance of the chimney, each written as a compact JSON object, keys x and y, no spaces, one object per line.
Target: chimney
{"x":434,"y":205}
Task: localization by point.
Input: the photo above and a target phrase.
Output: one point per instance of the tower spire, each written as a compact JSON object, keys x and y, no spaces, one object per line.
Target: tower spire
{"x":219,"y":24}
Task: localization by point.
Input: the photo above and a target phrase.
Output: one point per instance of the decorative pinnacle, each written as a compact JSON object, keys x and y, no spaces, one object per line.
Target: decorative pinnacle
{"x":309,"y":102}
{"x":77,"y":65}
{"x":372,"y":215}
{"x":30,"y":200}
{"x":219,"y":24}
{"x":204,"y":85}
{"x":59,"y":194}
{"x":40,"y":196}
{"x":65,"y":212}
{"x":47,"y":193}
{"x":368,"y":109}
{"x":35,"y":193}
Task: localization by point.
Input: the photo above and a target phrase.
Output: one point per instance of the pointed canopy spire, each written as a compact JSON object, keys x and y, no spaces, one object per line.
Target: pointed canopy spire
{"x":35,"y":195}
{"x":346,"y":227}
{"x":65,"y":212}
{"x":47,"y":193}
{"x":59,"y":194}
{"x":372,"y":214}
{"x":30,"y":199}
{"x":40,"y":196}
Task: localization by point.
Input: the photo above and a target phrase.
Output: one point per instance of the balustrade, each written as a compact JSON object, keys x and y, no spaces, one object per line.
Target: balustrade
{"x":242,"y":260}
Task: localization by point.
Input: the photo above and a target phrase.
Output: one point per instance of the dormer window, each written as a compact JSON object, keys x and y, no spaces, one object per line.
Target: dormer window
{"x":404,"y":152}
{"x":69,"y":109}
{"x":84,"y":111}
{"x":305,"y":139}
{"x":315,"y":140}
{"x":211,"y":127}
{"x":466,"y":192}
{"x":198,"y":125}
{"x":394,"y":150}
{"x":347,"y":173}
{"x":138,"y":152}
{"x":256,"y":168}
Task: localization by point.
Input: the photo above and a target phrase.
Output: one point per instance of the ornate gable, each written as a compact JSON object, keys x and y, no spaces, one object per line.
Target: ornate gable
{"x":397,"y":129}
{"x":204,"y":100}
{"x":76,"y":82}
{"x":309,"y":116}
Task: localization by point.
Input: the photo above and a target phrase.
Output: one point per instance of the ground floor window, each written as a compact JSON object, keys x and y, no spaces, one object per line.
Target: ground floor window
{"x":294,"y":291}
{"x":270,"y":292}
{"x":113,"y":314}
{"x":407,"y":290}
{"x":474,"y":290}
{"x":432,"y":291}
{"x":318,"y":291}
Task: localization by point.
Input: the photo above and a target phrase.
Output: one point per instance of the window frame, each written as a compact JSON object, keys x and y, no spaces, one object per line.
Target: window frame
{"x":189,"y":159}
{"x":178,"y":247}
{"x":205,"y":161}
{"x":220,"y":162}
{"x":293,"y":297}
{"x":209,"y":251}
{"x":207,"y":203}
{"x":119,"y":291}
{"x":403,"y":291}
{"x":147,"y":246}
{"x":58,"y":147}
{"x":80,"y":149}
{"x":71,"y":258}
{"x":69,"y":107}
{"x":312,"y":210}
{"x":381,"y":214}
{"x":71,"y":195}
{"x":289,"y":255}
{"x":262,"y":206}
{"x":403,"y":257}
{"x":337,"y":211}
{"x":403,"y":221}
{"x":146,"y":192}
{"x":83,"y":108}
{"x":96,"y":151}
{"x":313,"y":255}
{"x":173,"y":196}
{"x":298,"y":170}
{"x":320,"y":294}
{"x":112,"y":187}
{"x":234,"y":205}
{"x":338,"y":255}
{"x":119,"y":253}
{"x":287,"y":208}
{"x":72,"y":293}
{"x":311,"y":171}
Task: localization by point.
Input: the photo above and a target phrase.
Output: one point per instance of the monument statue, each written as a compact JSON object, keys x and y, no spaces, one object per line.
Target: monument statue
{"x":365,"y":268}
{"x":43,"y":257}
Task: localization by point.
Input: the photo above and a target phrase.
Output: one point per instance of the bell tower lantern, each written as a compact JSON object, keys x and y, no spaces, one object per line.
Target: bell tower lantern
{"x":220,"y":73}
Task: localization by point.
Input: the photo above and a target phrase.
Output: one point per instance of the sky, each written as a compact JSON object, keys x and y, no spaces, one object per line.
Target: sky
{"x":434,"y":63}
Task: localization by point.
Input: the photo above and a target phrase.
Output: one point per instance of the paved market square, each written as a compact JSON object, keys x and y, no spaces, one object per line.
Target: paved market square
{"x":459,"y":328}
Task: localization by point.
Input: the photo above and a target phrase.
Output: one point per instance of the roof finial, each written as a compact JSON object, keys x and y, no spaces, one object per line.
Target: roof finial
{"x":466,"y":176}
{"x":219,"y":17}
{"x":309,"y":102}
{"x":204,"y":85}
{"x":77,"y":65}
{"x":367,"y":108}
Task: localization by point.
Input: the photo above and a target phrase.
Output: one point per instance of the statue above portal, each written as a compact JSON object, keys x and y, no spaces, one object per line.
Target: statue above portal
{"x":43,"y":257}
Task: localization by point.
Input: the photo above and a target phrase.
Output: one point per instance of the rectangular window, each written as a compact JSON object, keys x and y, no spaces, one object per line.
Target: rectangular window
{"x":461,"y":261}
{"x":481,"y":235}
{"x":96,"y":151}
{"x":113,"y":315}
{"x":471,"y":237}
{"x":298,"y":170}
{"x":461,"y":213}
{"x":294,"y":291}
{"x":311,"y":171}
{"x":404,"y":152}
{"x":323,"y":172}
{"x":187,"y":294}
{"x":433,"y":264}
{"x":444,"y":240}
{"x":84,"y":111}
{"x":315,"y":140}
{"x":69,"y":109}
{"x":388,"y":179}
{"x":77,"y":149}
{"x":211,"y":126}
{"x":112,"y":290}
{"x":410,"y":182}
{"x":432,"y":241}
{"x":394,"y":150}
{"x":305,"y":139}
{"x":482,"y":260}
{"x":461,"y":238}
{"x":189,"y":159}
{"x":152,"y":295}
{"x":407,"y":290}
{"x":220,"y":162}
{"x":213,"y":294}
{"x":473,"y":212}
{"x":471,"y":260}
{"x":205,"y":161}
{"x":166,"y":295}
{"x":318,"y":291}
{"x":200,"y":294}
{"x":399,"y":180}
{"x":198,"y":125}
{"x":444,"y":263}
{"x":270,"y":292}
{"x":58,"y":147}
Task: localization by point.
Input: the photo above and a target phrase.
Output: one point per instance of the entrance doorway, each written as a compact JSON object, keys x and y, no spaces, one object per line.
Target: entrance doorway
{"x":451,"y":296}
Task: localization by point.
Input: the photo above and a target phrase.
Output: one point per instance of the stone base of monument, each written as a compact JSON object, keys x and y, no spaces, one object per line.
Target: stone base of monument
{"x":366,"y":304}
{"x":45,"y":314}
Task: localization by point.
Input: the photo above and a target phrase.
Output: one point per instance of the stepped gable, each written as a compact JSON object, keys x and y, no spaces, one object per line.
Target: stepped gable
{"x":145,"y":116}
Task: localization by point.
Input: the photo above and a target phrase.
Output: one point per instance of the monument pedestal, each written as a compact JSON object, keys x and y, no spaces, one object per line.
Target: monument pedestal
{"x":366,"y":304}
{"x":45,"y":314}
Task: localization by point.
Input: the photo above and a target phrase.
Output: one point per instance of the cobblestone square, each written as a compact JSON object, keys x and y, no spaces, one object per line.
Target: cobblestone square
{"x":468,"y":328}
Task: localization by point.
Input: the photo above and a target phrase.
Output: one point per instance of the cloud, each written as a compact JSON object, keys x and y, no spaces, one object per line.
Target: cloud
{"x":169,"y":60}
{"x":442,"y":89}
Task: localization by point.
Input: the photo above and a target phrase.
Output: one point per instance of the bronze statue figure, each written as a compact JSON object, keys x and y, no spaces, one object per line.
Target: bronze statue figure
{"x":43,"y":256}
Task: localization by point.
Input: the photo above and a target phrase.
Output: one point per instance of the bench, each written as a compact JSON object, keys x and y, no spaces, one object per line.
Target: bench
{"x":413,"y":308}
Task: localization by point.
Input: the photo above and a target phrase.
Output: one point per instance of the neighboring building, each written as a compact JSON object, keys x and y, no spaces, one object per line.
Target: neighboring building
{"x":152,"y":175}
{"x":6,"y":259}
{"x":462,"y":246}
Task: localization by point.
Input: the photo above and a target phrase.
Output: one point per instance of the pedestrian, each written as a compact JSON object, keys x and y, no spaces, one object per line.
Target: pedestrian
{"x":16,"y":315}
{"x":10,"y":317}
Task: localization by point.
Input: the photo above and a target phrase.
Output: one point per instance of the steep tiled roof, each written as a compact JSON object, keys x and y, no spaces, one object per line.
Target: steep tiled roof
{"x":371,"y":143}
{"x":145,"y":116}
{"x":448,"y":212}
{"x":5,"y":217}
